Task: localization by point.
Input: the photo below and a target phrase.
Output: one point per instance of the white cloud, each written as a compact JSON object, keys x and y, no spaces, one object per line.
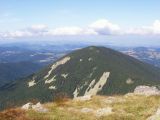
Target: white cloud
{"x":71,"y":31}
{"x":99,"y":27}
{"x":35,"y":30}
{"x":139,"y":31}
{"x":15,"y":34}
{"x":90,"y":31}
{"x":20,"y":34}
{"x":104,"y":27}
{"x":66,"y":31}
{"x":154,"y":29}
{"x":38,"y":27}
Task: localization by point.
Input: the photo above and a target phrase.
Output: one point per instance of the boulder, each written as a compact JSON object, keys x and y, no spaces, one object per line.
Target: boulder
{"x":103,"y":111}
{"x":27,"y":106}
{"x":146,"y":90}
{"x":38,"y":107}
{"x":83,"y":98}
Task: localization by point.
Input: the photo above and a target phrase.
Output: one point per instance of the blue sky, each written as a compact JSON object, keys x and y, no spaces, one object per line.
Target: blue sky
{"x":77,"y":12}
{"x":139,"y":17}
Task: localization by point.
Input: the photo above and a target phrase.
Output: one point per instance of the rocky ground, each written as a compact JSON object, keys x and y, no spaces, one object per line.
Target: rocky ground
{"x":127,"y":107}
{"x":142,"y":104}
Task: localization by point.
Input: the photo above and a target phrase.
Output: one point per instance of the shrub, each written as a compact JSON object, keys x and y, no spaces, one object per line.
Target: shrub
{"x":61,"y":98}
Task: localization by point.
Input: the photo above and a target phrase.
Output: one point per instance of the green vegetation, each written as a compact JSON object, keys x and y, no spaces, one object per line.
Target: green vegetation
{"x":13,"y":71}
{"x":84,"y":66}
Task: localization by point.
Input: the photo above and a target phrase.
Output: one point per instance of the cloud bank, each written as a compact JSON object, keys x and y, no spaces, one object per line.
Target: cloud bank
{"x":154,"y":29}
{"x":101,"y":27}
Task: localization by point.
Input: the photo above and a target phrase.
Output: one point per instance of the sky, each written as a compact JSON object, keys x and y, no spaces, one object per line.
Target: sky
{"x":129,"y":22}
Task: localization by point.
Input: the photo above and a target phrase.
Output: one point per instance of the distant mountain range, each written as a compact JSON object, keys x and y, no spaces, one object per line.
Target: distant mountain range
{"x":18,"y":54}
{"x":20,"y":60}
{"x":88,"y":71}
{"x":46,"y":53}
{"x":149,"y":55}
{"x":13,"y":55}
{"x":14,"y":71}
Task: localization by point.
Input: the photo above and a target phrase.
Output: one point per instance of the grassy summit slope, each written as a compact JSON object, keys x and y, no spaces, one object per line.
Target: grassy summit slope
{"x":122,"y":108}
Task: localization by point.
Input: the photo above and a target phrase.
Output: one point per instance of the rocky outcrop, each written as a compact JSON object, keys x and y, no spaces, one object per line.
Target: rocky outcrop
{"x":103,"y":111}
{"x":83,"y":98}
{"x":27,"y":106}
{"x":146,"y":90}
{"x":38,"y":107}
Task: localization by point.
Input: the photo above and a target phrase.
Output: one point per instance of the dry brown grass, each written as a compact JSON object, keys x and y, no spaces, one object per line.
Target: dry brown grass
{"x":13,"y":114}
{"x":61,"y":99}
{"x":124,"y":108}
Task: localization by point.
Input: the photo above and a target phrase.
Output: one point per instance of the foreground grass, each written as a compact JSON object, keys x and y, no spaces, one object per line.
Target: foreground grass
{"x":123,"y":107}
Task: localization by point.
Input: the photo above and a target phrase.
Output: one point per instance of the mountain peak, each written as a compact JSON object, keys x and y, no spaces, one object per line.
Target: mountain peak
{"x":88,"y":71}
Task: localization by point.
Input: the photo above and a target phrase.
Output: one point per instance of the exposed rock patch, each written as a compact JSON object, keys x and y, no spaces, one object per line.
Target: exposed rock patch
{"x":91,"y":85}
{"x":38,"y":107}
{"x":54,"y":66}
{"x":103,"y":111}
{"x":81,"y":60}
{"x":146,"y":90}
{"x":27,"y":106}
{"x":51,"y":80}
{"x":64,"y":75}
{"x":31,"y":83}
{"x":129,"y":81}
{"x":98,"y":86}
{"x":83,"y":98}
{"x":75,"y":93}
{"x":90,"y":59}
{"x":52,"y":87}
